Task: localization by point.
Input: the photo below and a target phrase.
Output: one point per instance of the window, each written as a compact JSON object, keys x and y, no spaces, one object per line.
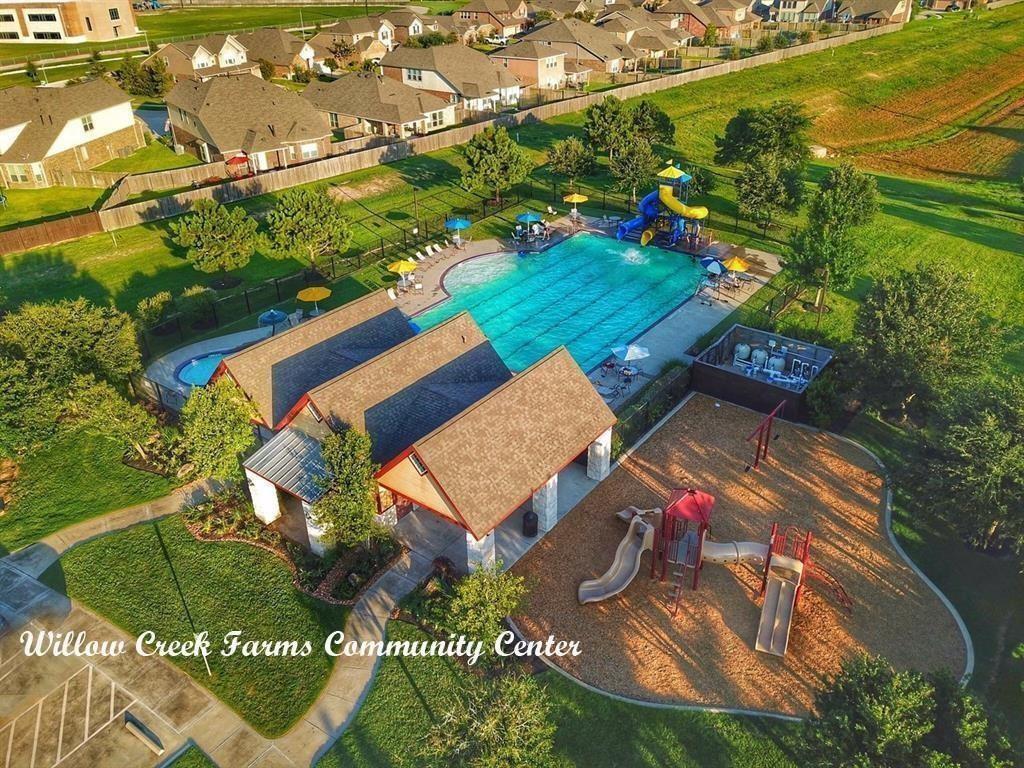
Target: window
{"x":87,"y":124}
{"x":42,"y":17}
{"x":115,"y":15}
{"x":332,"y":118}
{"x":37,"y":171}
{"x":310,"y":151}
{"x":18,"y":173}
{"x":6,"y":17}
{"x":436,"y":119}
{"x":9,"y":36}
{"x":417,"y":463}
{"x":414,"y":75}
{"x":88,"y":24}
{"x":46,"y":35}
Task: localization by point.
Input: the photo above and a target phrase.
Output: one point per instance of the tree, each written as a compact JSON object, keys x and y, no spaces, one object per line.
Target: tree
{"x":29,"y":407}
{"x":218,"y":238}
{"x":766,"y":188}
{"x":607,"y":125}
{"x":652,"y":123}
{"x":975,"y":467}
{"x":710,"y":38}
{"x":129,"y":76}
{"x":101,"y":410}
{"x":347,"y":507}
{"x":765,"y":43}
{"x":307,"y":223}
{"x":430,"y":39}
{"x":267,"y":70}
{"x":195,"y":304}
{"x":570,"y":158}
{"x":60,"y":340}
{"x":543,"y":15}
{"x":97,"y":68}
{"x":152,"y":310}
{"x":506,"y":721}
{"x":482,"y":601}
{"x":634,"y":166}
{"x":871,"y":715}
{"x":702,"y":181}
{"x":494,"y":161}
{"x":31,"y":71}
{"x":918,"y":332}
{"x":341,"y":49}
{"x":779,"y":129}
{"x":216,"y":426}
{"x":159,"y":79}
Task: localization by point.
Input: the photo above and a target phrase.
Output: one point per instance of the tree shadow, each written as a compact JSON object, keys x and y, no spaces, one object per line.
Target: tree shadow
{"x":23,"y":276}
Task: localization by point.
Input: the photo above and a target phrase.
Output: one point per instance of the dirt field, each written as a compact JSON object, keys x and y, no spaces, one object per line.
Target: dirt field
{"x":632,"y":645}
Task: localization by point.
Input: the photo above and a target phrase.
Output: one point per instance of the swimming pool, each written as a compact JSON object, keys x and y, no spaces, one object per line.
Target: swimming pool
{"x":589,"y":293}
{"x":198,"y":371}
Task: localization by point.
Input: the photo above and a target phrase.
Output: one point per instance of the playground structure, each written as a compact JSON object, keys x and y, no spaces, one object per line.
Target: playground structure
{"x":666,"y":220}
{"x":680,"y":538}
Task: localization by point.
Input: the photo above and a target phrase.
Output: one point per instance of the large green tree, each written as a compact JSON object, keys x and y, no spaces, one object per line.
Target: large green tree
{"x":634,"y":166}
{"x":218,"y":238}
{"x":494,"y":162}
{"x":307,"y":223}
{"x":347,"y":507}
{"x":766,"y":188}
{"x":607,"y":125}
{"x":871,"y":715}
{"x":62,"y":339}
{"x":570,"y":158}
{"x":216,"y":426}
{"x":482,"y":601}
{"x":778,"y":129}
{"x":29,"y":407}
{"x":101,"y":410}
{"x":652,"y":122}
{"x":917,"y":333}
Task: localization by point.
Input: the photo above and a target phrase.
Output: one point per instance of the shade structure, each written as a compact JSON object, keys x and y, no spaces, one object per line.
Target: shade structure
{"x":676,"y":174}
{"x":736,"y":264}
{"x":690,"y":504}
{"x":528,"y":218}
{"x":712,"y":265}
{"x":315,"y":294}
{"x":575,"y":198}
{"x":272,"y":317}
{"x":238,"y":160}
{"x":458,"y":224}
{"x":630,"y":352}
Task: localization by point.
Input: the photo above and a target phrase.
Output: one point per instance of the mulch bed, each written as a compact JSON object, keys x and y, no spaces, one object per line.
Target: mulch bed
{"x":631,"y":643}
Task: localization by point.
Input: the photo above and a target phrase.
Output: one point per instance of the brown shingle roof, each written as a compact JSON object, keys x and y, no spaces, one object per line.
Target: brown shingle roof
{"x":373,"y":97}
{"x":244,"y":112}
{"x":603,"y":45}
{"x":467,"y":70}
{"x":528,"y":49}
{"x":491,"y":457}
{"x":273,"y":44}
{"x":47,"y":110}
{"x":414,"y":387}
{"x":278,"y":371}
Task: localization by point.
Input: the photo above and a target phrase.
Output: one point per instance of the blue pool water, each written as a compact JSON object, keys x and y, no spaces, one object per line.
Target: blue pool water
{"x":589,"y":293}
{"x":197,"y":371}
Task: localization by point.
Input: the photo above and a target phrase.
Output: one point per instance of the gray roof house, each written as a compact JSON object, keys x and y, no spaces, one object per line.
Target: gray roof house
{"x":456,"y":73}
{"x":282,"y":49}
{"x":587,"y":44}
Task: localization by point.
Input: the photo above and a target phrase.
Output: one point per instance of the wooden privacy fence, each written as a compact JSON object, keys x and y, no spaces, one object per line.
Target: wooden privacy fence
{"x":171,"y":179}
{"x":49,"y":232}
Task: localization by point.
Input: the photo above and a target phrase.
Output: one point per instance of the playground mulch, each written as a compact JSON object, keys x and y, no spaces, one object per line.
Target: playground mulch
{"x":631,"y":643}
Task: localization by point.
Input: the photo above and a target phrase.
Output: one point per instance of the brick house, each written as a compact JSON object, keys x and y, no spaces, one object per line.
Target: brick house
{"x":503,"y":17}
{"x":47,"y":132}
{"x":205,"y":57}
{"x":586,"y":45}
{"x":66,"y":21}
{"x":283,"y":50}
{"x":369,"y":37}
{"x":537,"y":65}
{"x":872,"y":12}
{"x":730,"y":17}
{"x":245,"y":116}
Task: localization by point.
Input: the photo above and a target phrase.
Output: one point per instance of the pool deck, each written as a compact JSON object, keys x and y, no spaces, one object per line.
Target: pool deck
{"x":668,"y":339}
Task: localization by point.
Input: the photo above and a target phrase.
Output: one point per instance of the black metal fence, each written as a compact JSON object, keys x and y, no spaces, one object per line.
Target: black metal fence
{"x":649,"y":406}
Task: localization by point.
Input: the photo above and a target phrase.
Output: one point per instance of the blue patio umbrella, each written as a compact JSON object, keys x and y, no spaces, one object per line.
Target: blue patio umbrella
{"x":529,"y":217}
{"x":458,"y":224}
{"x":272,"y":317}
{"x":712,"y":265}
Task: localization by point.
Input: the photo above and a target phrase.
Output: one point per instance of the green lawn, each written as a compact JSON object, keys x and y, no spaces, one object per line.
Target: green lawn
{"x":157,"y":576}
{"x":193,"y":757}
{"x":76,"y":477}
{"x":30,"y":205}
{"x":155,"y":156}
{"x":409,"y":693}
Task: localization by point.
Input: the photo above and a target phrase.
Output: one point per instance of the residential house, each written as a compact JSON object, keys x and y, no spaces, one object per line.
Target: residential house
{"x":559,"y":9}
{"x":872,"y":12}
{"x":367,"y":38}
{"x":364,"y":103}
{"x":285,"y":51}
{"x":454,"y":73}
{"x":408,"y":24}
{"x":504,"y":18}
{"x":465,"y":32}
{"x":245,"y":116}
{"x":732,"y":18}
{"x":205,"y":57}
{"x":66,"y":21}
{"x":535,"y":64}
{"x":643,"y":32}
{"x":587,"y":45}
{"x":425,"y":400}
{"x":48,"y":132}
{"x":798,"y":11}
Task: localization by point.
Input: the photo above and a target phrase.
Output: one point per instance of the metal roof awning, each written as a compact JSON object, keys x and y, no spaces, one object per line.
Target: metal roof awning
{"x":291,"y":460}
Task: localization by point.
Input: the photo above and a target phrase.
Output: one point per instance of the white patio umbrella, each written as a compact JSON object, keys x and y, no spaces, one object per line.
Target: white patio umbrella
{"x":631,"y":352}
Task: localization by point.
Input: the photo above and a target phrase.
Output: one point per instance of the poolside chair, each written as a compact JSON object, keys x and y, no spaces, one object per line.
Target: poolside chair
{"x":552,"y":211}
{"x":418,"y":287}
{"x":391,"y":294}
{"x":420,"y":256}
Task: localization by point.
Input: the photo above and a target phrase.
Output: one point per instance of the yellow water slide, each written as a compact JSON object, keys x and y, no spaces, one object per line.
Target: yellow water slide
{"x":670,"y":201}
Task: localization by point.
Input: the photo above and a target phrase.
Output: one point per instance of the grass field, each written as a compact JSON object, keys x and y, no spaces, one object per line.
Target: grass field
{"x":76,"y":477}
{"x":409,"y":693}
{"x":28,"y":205}
{"x":193,"y":757}
{"x":155,"y":156}
{"x":157,"y":576}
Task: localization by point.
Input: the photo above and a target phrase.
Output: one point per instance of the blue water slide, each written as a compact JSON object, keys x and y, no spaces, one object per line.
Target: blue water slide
{"x":649,"y":209}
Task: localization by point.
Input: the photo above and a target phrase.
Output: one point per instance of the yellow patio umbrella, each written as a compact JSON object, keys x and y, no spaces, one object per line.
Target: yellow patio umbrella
{"x":315,"y":294}
{"x":402,"y":268}
{"x":575,"y":198}
{"x":736,"y":264}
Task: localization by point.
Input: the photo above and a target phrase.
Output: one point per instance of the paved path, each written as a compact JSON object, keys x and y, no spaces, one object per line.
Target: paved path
{"x":71,"y":712}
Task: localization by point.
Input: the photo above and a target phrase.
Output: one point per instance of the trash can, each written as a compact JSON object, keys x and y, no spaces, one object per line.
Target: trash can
{"x":530,"y":524}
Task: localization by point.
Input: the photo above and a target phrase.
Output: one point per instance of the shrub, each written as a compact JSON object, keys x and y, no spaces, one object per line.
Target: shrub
{"x":152,"y":310}
{"x":195,"y":303}
{"x":482,"y":601}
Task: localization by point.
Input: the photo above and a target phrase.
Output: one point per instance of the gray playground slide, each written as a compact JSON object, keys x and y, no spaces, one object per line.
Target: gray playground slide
{"x":777,"y":612}
{"x":638,"y":539}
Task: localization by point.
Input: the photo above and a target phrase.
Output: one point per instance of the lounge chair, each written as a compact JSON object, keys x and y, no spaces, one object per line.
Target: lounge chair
{"x":552,"y":211}
{"x":609,"y":393}
{"x":391,"y":294}
{"x":418,"y":287}
{"x":420,"y":256}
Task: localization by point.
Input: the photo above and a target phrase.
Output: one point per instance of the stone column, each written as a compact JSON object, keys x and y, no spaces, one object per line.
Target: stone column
{"x":599,"y":456}
{"x":313,"y":530}
{"x":480,"y":552}
{"x":265,"y":501}
{"x":545,"y":504}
